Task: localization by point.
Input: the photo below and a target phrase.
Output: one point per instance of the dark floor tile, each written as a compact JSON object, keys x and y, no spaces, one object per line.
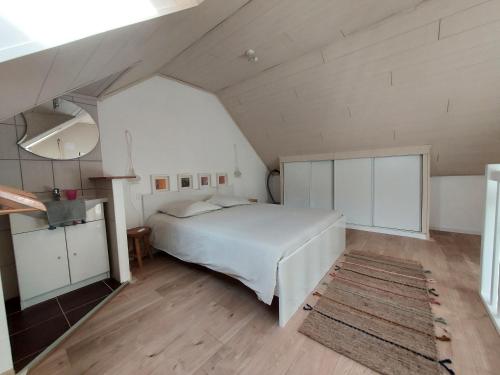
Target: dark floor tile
{"x":76,"y":314}
{"x":19,"y":365}
{"x":82,"y":296}
{"x":12,"y":305}
{"x":37,"y":338}
{"x":33,"y":315}
{"x":112,"y":283}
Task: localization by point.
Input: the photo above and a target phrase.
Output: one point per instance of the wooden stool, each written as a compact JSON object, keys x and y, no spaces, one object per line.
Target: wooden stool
{"x":137,"y":234}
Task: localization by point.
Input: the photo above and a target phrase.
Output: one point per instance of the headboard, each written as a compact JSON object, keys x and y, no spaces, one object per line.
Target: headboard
{"x":151,"y":202}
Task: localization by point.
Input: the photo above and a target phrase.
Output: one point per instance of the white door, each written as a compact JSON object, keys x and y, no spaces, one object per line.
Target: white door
{"x":397,"y":192}
{"x":87,"y":250}
{"x":296,"y":184}
{"x":41,"y":261}
{"x":353,"y":189}
{"x":321,"y":191}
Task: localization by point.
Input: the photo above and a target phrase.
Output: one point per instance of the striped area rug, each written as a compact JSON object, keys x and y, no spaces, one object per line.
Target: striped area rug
{"x":377,"y":311}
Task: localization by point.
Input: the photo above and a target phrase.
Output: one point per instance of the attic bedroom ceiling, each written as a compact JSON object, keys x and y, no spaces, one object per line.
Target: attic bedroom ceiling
{"x":332,"y":75}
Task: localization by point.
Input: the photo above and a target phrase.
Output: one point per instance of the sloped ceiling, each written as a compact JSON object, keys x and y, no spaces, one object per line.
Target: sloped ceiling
{"x":137,"y":50}
{"x":332,"y":75}
{"x":347,"y":75}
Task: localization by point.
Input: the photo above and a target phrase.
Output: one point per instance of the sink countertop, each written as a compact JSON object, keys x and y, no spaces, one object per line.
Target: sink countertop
{"x":89,"y":203}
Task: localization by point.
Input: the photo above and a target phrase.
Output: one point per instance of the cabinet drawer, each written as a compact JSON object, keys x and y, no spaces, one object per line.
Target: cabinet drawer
{"x":87,"y":250}
{"x":41,"y":262}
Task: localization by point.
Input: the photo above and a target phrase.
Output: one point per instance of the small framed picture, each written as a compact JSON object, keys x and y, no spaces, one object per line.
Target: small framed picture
{"x":221,"y":179}
{"x":160,"y":183}
{"x":204,"y":180}
{"x":185,"y":181}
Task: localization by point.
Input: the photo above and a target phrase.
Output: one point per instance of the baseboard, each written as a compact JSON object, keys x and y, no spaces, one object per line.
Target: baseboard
{"x":455,"y":230}
{"x":393,"y":232}
{"x":8,"y":372}
{"x":495,"y":320}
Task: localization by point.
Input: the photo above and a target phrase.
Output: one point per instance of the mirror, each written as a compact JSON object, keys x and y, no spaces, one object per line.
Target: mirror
{"x":59,"y":130}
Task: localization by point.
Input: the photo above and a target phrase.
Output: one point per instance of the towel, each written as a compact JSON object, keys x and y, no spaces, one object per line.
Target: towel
{"x":61,"y":213}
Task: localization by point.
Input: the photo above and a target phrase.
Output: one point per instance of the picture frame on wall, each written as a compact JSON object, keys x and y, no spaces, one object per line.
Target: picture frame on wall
{"x":184,"y":181}
{"x":204,"y":180}
{"x":160,"y":183}
{"x":221,"y":179}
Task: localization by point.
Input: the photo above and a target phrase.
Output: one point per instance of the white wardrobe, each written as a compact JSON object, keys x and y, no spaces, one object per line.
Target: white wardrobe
{"x":309,"y":184}
{"x":386,"y":193}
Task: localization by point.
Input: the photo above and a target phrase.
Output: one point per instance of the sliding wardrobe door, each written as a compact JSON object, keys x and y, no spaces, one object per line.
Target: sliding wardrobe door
{"x":397,"y":192}
{"x":321,"y":191}
{"x":296,"y":177}
{"x":353,"y":189}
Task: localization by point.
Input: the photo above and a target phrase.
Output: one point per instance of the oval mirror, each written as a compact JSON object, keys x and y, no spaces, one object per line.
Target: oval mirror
{"x":59,"y":130}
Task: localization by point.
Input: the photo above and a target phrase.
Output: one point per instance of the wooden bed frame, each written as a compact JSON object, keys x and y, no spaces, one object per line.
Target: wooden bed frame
{"x":298,"y":273}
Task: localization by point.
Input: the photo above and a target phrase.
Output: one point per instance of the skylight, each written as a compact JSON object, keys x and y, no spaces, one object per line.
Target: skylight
{"x":28,"y":26}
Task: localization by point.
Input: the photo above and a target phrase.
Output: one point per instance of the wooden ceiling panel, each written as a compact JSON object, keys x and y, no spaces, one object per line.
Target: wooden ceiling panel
{"x":425,"y":76}
{"x":175,"y":34}
{"x":278,"y":31}
{"x":21,"y":81}
{"x":67,"y":64}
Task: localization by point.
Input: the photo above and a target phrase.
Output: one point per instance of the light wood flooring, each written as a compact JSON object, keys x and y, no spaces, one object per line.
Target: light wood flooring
{"x":182,"y":319}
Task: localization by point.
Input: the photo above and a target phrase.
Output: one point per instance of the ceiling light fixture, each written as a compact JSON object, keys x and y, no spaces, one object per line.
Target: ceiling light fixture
{"x":251,"y":55}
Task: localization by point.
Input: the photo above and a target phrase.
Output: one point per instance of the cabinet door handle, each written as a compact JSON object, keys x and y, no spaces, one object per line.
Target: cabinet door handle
{"x":59,"y":257}
{"x":74,"y":254}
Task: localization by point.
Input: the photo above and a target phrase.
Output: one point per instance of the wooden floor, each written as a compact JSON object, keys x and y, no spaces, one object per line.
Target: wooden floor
{"x":180,"y":319}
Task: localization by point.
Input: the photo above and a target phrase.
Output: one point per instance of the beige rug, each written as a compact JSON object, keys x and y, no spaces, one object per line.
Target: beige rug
{"x":376,"y":311}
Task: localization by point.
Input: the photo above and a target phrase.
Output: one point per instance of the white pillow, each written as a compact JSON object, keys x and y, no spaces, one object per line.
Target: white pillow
{"x":187,"y":208}
{"x":227,"y":200}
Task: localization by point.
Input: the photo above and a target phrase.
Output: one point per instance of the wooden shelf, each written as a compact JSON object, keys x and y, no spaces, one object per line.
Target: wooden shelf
{"x":17,"y":201}
{"x":108,"y":178}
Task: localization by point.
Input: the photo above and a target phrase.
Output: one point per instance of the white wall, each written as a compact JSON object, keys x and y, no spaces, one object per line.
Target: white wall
{"x":176,"y":129}
{"x":457,"y":203}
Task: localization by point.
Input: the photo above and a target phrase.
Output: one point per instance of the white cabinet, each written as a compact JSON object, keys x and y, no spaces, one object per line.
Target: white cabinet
{"x":87,"y":250}
{"x":397,"y":198}
{"x":308,"y":184}
{"x":52,"y":262}
{"x":297,"y":178}
{"x":41,"y":261}
{"x":353,"y":189}
{"x":375,"y":190}
{"x":321,"y":188}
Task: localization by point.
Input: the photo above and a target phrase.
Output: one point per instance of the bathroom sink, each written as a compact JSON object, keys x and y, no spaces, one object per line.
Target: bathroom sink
{"x":89,"y":203}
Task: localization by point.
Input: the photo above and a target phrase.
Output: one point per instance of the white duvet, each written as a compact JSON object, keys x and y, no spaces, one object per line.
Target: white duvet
{"x":245,"y":242}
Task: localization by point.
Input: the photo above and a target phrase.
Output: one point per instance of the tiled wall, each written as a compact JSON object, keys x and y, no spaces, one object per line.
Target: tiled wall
{"x":23,"y":170}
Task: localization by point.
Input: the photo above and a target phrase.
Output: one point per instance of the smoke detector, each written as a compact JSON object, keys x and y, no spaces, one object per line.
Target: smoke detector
{"x":251,"y":55}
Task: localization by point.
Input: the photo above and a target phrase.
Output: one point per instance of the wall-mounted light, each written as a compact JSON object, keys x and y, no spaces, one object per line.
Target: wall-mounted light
{"x":251,"y":55}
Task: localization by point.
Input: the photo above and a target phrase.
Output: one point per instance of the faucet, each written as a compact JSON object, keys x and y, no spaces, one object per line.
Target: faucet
{"x":56,"y":194}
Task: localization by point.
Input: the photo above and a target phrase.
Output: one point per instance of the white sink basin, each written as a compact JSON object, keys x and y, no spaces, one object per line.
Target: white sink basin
{"x":89,"y":203}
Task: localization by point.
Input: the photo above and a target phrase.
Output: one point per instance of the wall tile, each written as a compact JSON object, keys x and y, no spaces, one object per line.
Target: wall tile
{"x":10,"y":174}
{"x":95,"y":154}
{"x":8,"y":140}
{"x":37,"y":175}
{"x":20,"y":130}
{"x":90,"y":194}
{"x":6,"y":250}
{"x":67,"y":174}
{"x":19,"y":120}
{"x":90,"y":169}
{"x":8,"y":121}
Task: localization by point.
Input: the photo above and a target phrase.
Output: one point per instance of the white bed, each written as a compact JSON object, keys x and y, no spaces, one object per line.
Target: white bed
{"x":271,"y":249}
